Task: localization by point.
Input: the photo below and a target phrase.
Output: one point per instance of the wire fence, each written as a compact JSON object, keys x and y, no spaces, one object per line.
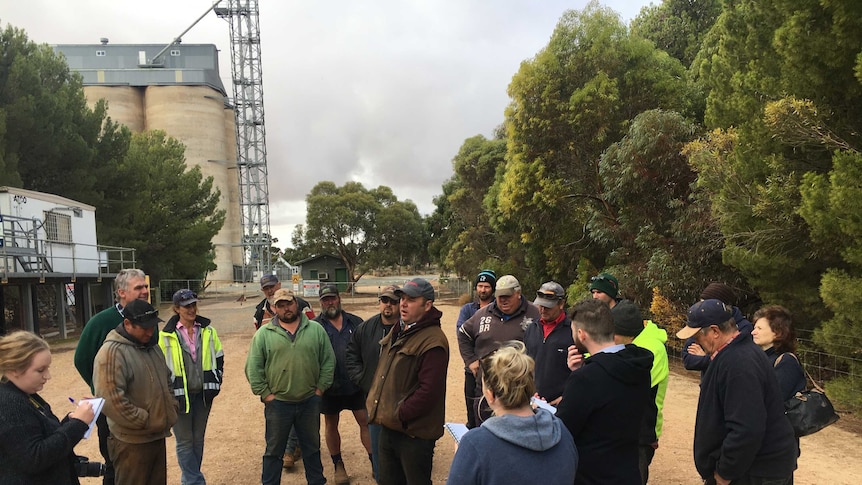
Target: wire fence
{"x":822,"y":365}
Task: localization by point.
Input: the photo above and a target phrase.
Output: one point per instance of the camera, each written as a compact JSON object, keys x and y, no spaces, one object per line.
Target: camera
{"x":86,"y":468}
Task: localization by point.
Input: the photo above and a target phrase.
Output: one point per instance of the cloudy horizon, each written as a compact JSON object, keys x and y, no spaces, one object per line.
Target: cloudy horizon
{"x":382,"y":94}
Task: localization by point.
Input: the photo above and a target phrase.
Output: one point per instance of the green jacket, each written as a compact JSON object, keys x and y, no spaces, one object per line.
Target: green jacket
{"x":654,"y":339}
{"x":91,"y":339}
{"x":290,"y":369}
{"x":205,"y":374}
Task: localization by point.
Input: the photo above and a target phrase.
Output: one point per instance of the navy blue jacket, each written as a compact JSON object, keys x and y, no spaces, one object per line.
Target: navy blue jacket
{"x":550,"y":355}
{"x":740,"y":428}
{"x":342,"y":385}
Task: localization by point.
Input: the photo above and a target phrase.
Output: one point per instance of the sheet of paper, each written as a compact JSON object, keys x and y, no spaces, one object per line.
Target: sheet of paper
{"x":97,"y":403}
{"x":543,"y":404}
{"x":457,"y":430}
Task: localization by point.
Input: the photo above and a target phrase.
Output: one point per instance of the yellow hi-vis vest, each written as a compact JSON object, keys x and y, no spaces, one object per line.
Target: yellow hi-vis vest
{"x":208,"y":355}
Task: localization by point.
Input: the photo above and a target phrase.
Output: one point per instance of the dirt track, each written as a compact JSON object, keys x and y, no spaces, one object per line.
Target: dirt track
{"x":235,"y":431}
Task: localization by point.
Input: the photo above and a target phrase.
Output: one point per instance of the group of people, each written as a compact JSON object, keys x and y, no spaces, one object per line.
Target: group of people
{"x":389,"y":371}
{"x":152,"y":381}
{"x":605,"y":368}
{"x":579,"y":392}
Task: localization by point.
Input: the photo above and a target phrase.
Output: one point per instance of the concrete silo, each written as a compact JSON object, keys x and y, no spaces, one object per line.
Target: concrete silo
{"x":183,"y":96}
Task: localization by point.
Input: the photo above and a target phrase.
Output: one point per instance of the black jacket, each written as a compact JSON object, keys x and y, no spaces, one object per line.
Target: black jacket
{"x":741,"y":428}
{"x":602,"y":406}
{"x":363,"y":351}
{"x":36,"y":448}
{"x":550,"y":355}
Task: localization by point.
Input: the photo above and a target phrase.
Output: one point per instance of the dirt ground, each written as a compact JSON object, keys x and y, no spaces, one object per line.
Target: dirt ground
{"x":235,"y":432}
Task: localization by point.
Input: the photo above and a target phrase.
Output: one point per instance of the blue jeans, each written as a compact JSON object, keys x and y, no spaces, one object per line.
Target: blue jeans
{"x":304,"y":417}
{"x":405,"y":460}
{"x":374,"y":431}
{"x":189,"y":432}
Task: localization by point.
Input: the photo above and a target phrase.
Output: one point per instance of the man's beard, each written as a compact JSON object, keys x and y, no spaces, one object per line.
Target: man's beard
{"x":333,"y":311}
{"x":580,"y":345}
{"x":288,"y":317}
{"x":486,"y":298}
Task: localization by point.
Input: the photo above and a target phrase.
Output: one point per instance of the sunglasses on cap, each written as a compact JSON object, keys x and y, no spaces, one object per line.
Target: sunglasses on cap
{"x":389,"y":301}
{"x":136,"y":319}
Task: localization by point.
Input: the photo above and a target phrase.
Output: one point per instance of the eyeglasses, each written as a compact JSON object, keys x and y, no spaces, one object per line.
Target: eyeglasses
{"x":389,"y":301}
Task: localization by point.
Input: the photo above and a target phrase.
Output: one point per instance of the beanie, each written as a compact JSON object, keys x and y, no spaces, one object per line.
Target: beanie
{"x":720,"y":292}
{"x":627,"y":319}
{"x":486,"y":276}
{"x":606,"y":283}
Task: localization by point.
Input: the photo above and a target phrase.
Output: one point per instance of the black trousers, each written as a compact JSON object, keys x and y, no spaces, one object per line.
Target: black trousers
{"x":102,"y":429}
{"x":470,"y":398}
{"x":404,"y":460}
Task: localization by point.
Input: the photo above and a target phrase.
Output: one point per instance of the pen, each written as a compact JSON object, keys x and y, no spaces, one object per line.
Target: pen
{"x":72,"y":401}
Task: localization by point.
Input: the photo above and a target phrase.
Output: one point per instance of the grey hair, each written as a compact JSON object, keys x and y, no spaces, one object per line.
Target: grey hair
{"x":124,"y":277}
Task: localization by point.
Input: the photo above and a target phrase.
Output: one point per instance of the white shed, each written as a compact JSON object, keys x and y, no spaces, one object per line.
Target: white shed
{"x":49,"y":259}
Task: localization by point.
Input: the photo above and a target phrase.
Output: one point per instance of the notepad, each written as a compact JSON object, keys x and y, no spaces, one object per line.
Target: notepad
{"x":457,"y":430}
{"x":97,"y":403}
{"x":539,"y":403}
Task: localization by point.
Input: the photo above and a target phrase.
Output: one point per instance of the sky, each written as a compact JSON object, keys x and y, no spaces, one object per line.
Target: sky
{"x":380,"y":92}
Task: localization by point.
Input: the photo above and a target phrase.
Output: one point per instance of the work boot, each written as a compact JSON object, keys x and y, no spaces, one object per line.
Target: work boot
{"x":289,"y":461}
{"x":341,"y":477}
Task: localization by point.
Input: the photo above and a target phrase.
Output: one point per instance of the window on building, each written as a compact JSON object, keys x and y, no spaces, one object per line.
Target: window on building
{"x":175,"y":52}
{"x":58,"y":227}
{"x":100,"y":53}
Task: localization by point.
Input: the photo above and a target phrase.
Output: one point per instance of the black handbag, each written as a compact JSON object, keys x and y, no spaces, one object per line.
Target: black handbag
{"x":809,"y":411}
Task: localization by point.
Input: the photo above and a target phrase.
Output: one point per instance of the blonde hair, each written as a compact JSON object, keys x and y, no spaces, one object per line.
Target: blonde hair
{"x":510,"y":374}
{"x":17,"y":350}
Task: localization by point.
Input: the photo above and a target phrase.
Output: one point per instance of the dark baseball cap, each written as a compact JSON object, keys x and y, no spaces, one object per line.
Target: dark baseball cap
{"x":185,"y":297}
{"x":417,"y":287}
{"x":328,"y":289}
{"x":703,"y":314}
{"x":141,"y":314}
{"x":268,"y":280}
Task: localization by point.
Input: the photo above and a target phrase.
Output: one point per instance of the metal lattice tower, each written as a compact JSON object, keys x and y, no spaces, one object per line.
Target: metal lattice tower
{"x":247,"y":74}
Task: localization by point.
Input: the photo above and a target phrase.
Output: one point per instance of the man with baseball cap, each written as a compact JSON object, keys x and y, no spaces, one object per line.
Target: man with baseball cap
{"x":548,"y":340}
{"x":408,"y":394}
{"x":363,"y":353}
{"x":486,"y":283}
{"x":741,"y":433}
{"x":130,"y":284}
{"x":131,"y":375}
{"x":343,"y":394}
{"x":269,"y":284}
{"x":263,"y":313}
{"x":605,"y":287}
{"x":289,"y":365}
{"x":502,"y":320}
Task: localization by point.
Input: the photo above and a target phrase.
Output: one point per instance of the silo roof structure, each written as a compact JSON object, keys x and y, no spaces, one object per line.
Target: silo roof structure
{"x":133,"y":64}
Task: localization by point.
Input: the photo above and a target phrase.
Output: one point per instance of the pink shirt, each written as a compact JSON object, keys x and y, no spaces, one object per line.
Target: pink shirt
{"x":191,"y":342}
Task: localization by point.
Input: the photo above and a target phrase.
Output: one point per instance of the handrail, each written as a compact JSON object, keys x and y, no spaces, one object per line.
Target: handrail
{"x":22,"y":251}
